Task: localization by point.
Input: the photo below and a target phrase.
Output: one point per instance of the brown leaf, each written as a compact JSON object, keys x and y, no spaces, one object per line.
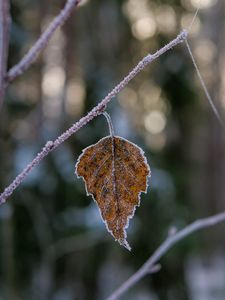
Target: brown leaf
{"x":115,"y":172}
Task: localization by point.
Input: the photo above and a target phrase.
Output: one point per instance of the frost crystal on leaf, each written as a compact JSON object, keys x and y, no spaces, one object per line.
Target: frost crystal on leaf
{"x":115,"y":173}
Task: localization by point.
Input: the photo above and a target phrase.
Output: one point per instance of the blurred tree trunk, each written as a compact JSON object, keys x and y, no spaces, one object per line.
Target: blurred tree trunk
{"x":214,"y":184}
{"x":207,"y":184}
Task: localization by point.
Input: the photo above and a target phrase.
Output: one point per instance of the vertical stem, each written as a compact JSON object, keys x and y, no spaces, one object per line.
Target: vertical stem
{"x":4,"y":44}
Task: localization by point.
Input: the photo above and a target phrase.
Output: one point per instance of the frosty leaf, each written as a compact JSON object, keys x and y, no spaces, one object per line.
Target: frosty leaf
{"x":115,"y":172}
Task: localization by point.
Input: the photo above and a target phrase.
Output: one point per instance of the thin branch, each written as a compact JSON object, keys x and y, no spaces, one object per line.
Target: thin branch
{"x":4,"y":44}
{"x":195,"y":16}
{"x":41,"y":43}
{"x":170,"y":241}
{"x":97,"y":110}
{"x":204,"y":87}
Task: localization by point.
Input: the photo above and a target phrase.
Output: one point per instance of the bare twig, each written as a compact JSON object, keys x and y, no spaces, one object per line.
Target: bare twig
{"x":41,"y":43}
{"x":204,"y":87}
{"x":4,"y":44}
{"x":97,"y":110}
{"x":170,"y":241}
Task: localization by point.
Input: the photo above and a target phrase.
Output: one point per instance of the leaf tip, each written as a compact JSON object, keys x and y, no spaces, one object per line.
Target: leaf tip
{"x":125,"y":244}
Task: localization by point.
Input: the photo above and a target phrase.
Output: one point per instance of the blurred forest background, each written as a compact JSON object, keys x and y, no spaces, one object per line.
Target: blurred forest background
{"x":54,"y":244}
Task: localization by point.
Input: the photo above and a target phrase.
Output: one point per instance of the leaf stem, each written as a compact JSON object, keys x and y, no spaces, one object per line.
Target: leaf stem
{"x":110,"y":124}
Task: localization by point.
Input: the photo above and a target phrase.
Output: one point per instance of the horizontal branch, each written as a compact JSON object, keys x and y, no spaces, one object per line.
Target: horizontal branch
{"x":97,"y":110}
{"x":41,"y":43}
{"x":170,"y":241}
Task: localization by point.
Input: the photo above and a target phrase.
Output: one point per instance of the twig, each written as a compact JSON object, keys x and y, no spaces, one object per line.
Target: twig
{"x":195,"y":16}
{"x":97,"y":110}
{"x":41,"y":43}
{"x":4,"y":44}
{"x":204,"y":87}
{"x":170,"y":241}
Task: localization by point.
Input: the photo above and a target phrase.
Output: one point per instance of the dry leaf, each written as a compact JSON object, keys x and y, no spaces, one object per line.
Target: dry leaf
{"x":115,"y":172}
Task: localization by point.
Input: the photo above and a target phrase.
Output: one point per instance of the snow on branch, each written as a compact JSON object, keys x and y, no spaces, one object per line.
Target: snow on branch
{"x":97,"y":110}
{"x":42,"y":42}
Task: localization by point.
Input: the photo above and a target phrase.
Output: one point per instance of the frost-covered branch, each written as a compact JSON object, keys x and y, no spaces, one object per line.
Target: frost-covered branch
{"x":4,"y":43}
{"x":97,"y":110}
{"x":150,"y":266}
{"x":41,"y":43}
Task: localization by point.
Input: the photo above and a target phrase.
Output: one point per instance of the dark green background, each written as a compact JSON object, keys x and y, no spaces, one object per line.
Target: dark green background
{"x":53,"y":242}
